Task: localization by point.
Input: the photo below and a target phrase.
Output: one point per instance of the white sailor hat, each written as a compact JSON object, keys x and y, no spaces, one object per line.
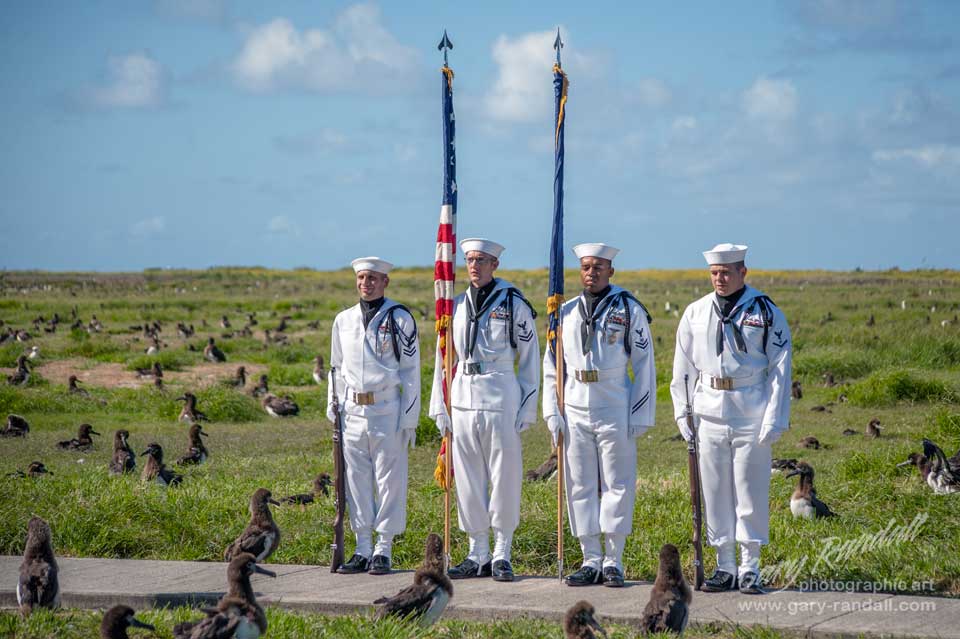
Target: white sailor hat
{"x":371,"y":264}
{"x":482,"y":245}
{"x":595,"y":249}
{"x":725,"y":254}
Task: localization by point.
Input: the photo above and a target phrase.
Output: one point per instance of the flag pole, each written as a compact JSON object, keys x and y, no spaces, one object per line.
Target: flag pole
{"x":555,"y":303}
{"x":445,"y":319}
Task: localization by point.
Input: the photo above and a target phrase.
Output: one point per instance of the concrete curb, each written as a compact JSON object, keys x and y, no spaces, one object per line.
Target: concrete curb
{"x":101,"y":583}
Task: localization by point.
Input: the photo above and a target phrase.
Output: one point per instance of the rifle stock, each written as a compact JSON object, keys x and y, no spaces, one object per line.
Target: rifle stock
{"x":693,"y":468}
{"x":339,"y":484}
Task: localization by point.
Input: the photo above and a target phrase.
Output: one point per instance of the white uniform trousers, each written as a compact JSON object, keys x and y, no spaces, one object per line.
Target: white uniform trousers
{"x":735,"y":474}
{"x":597,"y":447}
{"x":376,"y":473}
{"x":488,"y":468}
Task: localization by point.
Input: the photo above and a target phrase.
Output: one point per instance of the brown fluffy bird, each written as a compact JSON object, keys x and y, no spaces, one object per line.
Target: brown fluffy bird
{"x":279,"y":406}
{"x":942,"y":477}
{"x":237,"y":613}
{"x":21,"y":375}
{"x":190,"y":413}
{"x":545,"y":470}
{"x":117,"y":620}
{"x":239,"y":380}
{"x":73,"y":386}
{"x":810,"y":442}
{"x":35,"y":469}
{"x":17,"y":426}
{"x":262,"y":535}
{"x":321,"y":486}
{"x":873,"y":428}
{"x":668,"y":608}
{"x":82,"y":441}
{"x":197,"y":453}
{"x":319,"y":373}
{"x":156,"y":470}
{"x":212,"y":353}
{"x":261,"y":388}
{"x":39,"y":584}
{"x":154,"y":371}
{"x":796,"y":391}
{"x":804,"y":502}
{"x":580,"y":622}
{"x":430,"y":593}
{"x":124,"y":460}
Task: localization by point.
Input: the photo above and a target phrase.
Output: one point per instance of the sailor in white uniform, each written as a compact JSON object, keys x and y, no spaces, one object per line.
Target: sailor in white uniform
{"x":606,"y":331}
{"x":733,"y":355}
{"x":374,"y":349}
{"x":493,"y":396}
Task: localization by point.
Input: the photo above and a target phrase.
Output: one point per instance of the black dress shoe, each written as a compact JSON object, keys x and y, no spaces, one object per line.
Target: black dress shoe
{"x":502,"y":570}
{"x":380,"y":565}
{"x":357,"y":563}
{"x":469,"y":568}
{"x":612,"y":577}
{"x":586,"y":576}
{"x":750,"y":584}
{"x":720,"y":581}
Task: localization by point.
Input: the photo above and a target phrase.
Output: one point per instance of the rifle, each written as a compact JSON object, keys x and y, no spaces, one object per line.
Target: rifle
{"x":693,"y":468}
{"x":339,"y":483}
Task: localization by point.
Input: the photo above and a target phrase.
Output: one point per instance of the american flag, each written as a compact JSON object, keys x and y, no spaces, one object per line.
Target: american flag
{"x":445,"y":265}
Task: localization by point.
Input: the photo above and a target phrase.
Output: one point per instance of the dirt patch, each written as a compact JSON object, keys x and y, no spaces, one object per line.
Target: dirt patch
{"x":108,"y":375}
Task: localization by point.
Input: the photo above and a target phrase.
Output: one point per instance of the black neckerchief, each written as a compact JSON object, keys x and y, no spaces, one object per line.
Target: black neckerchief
{"x":725,"y":312}
{"x":478,"y":295}
{"x":369,"y":309}
{"x":591,"y":307}
{"x":479,"y":301}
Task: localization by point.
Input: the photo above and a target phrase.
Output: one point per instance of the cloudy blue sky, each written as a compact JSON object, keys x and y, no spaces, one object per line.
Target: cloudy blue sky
{"x":191,"y":133}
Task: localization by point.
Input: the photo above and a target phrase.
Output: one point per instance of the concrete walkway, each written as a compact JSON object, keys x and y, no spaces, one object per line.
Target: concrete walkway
{"x":100,"y":583}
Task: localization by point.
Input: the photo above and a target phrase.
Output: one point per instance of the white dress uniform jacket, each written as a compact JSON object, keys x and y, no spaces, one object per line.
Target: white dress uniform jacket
{"x":762,"y":393}
{"x":378,"y":388}
{"x":739,"y":376}
{"x":605,"y":415}
{"x":494,"y":391}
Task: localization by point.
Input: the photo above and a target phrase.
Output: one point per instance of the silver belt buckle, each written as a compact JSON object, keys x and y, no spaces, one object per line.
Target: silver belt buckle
{"x":363,"y":399}
{"x":721,"y":383}
{"x":473,"y":368}
{"x":588,"y":376}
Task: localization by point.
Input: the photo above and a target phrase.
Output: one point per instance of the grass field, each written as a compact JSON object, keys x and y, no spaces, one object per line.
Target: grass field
{"x":904,"y":369}
{"x":286,"y":625}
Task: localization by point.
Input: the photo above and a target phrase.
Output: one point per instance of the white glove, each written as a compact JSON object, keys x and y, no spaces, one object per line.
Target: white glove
{"x":330,"y":415}
{"x":768,"y":434}
{"x":684,"y":429}
{"x":635,"y":430}
{"x":409,"y":437}
{"x":444,"y":425}
{"x":556,"y":425}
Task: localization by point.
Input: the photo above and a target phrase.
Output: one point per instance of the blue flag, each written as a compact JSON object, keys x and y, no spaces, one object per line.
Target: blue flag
{"x":555,"y":294}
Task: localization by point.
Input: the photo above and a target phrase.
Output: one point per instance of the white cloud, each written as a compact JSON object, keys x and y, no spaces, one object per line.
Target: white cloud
{"x":523,"y":91}
{"x":653,"y":93}
{"x":931,"y":156}
{"x":770,"y":99}
{"x":132,"y":81}
{"x":149,"y":227}
{"x":357,"y":52}
{"x":282,"y":225}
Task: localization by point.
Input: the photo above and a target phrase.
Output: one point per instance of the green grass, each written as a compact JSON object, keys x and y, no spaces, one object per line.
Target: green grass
{"x":903,"y":370}
{"x":281,"y":624}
